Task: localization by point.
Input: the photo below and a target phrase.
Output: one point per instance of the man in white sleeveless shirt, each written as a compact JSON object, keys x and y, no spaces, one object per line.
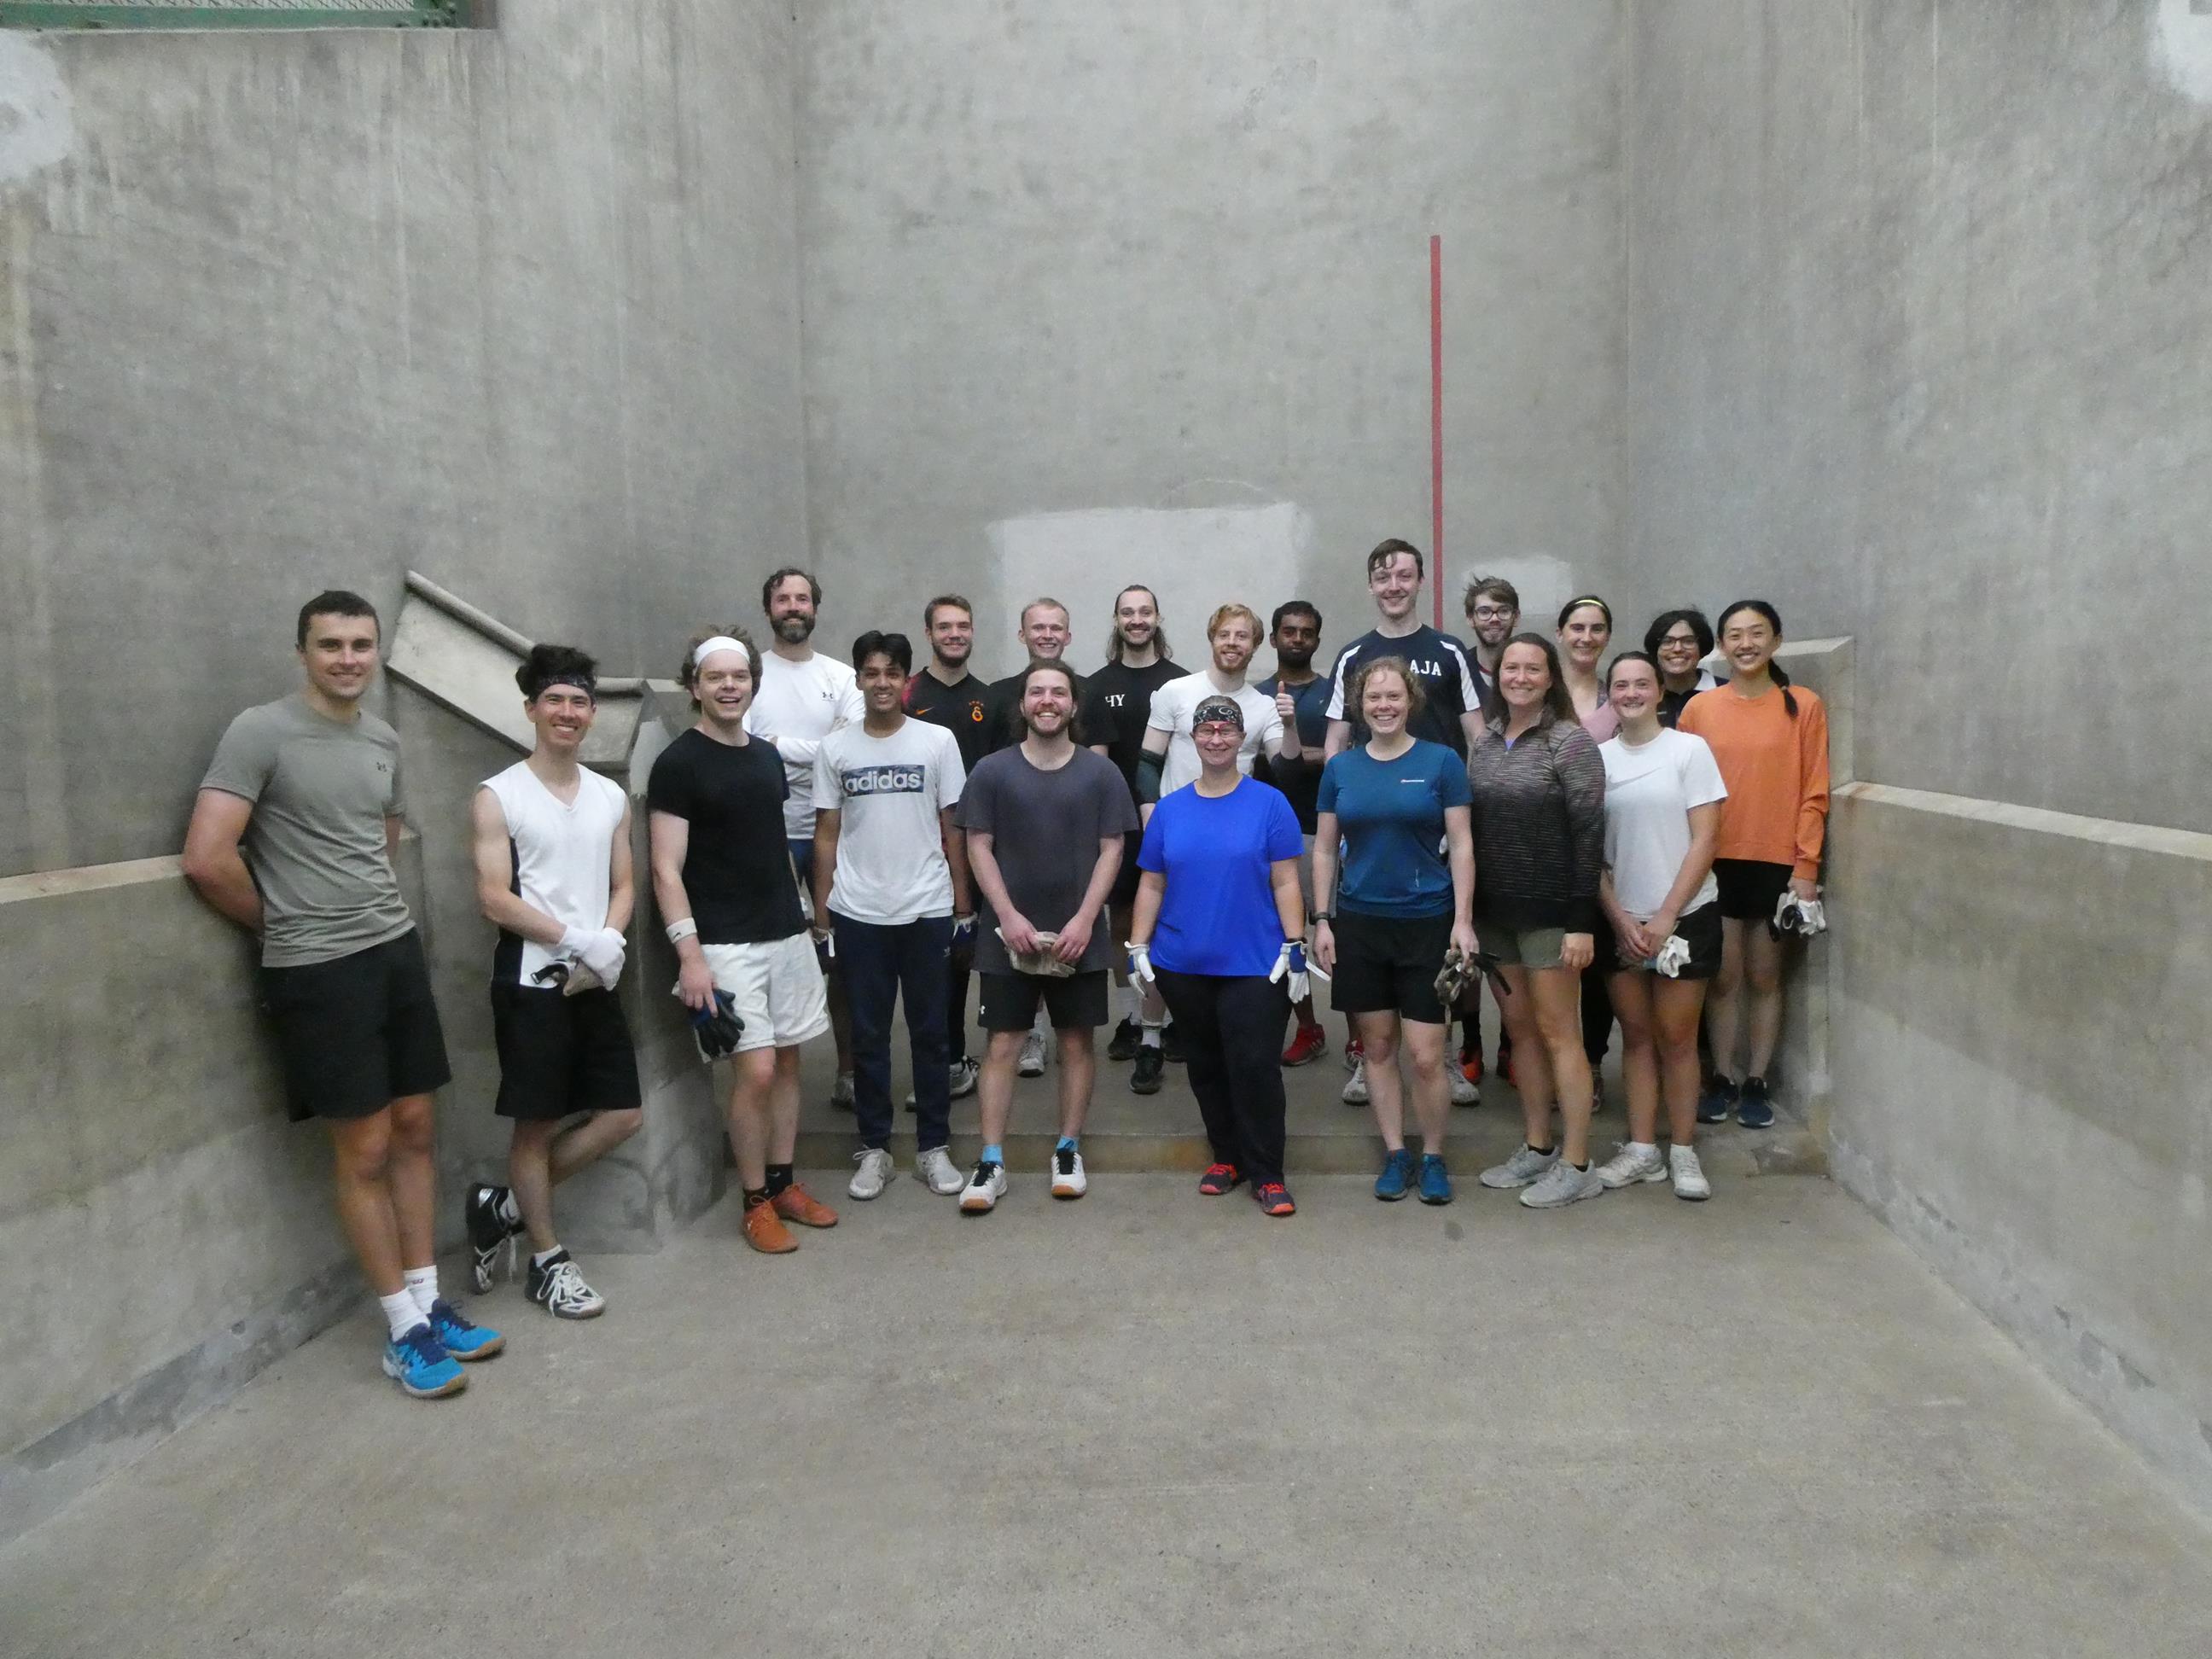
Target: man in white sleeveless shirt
{"x":553,"y":871}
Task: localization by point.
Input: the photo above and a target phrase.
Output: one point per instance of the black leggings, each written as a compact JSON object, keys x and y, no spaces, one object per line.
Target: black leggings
{"x":1597,"y":998}
{"x":1233,"y":1045}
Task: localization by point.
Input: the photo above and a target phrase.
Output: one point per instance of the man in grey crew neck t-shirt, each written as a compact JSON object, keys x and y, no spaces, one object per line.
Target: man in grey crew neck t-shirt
{"x":292,"y":837}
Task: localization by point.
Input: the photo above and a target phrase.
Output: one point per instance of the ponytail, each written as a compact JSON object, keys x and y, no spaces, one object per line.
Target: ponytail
{"x":1781,"y":679}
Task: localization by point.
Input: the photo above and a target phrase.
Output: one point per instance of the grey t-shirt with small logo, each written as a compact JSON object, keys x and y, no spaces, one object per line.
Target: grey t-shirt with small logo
{"x":321,"y":790}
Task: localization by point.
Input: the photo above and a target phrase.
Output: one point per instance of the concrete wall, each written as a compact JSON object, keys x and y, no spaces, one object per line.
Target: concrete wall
{"x":1074,"y":275}
{"x":517,"y":308}
{"x":1917,"y":294}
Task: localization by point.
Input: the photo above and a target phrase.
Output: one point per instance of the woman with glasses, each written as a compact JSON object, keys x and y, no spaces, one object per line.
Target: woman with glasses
{"x":1679,"y":641}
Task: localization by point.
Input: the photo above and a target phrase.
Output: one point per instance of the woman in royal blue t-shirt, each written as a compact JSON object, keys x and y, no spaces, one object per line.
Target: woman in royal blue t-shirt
{"x":1219,"y":924}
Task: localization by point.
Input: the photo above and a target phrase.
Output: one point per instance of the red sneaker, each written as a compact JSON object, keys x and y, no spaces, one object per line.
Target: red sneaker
{"x":1354,"y":1051}
{"x":1219,"y":1178}
{"x":1273,"y":1198}
{"x":1308,"y":1045}
{"x":1470,"y":1064}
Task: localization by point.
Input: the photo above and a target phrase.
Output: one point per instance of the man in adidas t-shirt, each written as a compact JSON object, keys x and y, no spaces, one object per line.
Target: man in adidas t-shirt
{"x":890,"y":886}
{"x":722,"y":878}
{"x":553,"y":874}
{"x":800,"y":698}
{"x":1451,"y":710}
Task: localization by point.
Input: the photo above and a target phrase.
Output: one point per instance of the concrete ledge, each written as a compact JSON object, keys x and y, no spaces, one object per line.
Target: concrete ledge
{"x":2023,"y":1085}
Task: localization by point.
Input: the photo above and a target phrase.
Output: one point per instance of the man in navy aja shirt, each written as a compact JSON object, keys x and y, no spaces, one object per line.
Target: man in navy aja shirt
{"x":1451,"y":713}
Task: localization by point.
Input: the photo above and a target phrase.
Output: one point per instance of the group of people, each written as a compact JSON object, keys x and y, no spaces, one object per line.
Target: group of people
{"x":1598,"y":840}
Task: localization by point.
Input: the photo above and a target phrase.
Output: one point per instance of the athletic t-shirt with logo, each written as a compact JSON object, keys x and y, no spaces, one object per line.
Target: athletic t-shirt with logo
{"x":1217,"y":916}
{"x":321,"y":790}
{"x":737,"y":864}
{"x":1045,"y":828}
{"x":1390,"y":817}
{"x":1300,"y":780}
{"x":1116,"y":701}
{"x":1649,"y":789}
{"x":1448,"y":683}
{"x":963,"y":709}
{"x":799,"y":704}
{"x":562,"y":855}
{"x":1175,"y":704}
{"x":887,"y":793}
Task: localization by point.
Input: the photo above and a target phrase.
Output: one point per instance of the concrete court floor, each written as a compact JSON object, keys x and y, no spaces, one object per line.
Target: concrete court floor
{"x":1150,"y":1423}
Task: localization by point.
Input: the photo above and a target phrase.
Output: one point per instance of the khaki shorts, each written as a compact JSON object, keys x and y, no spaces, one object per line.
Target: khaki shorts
{"x":1522,"y":947}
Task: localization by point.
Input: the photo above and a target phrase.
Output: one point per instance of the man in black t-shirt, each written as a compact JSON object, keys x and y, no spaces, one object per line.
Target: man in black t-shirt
{"x":1452,"y":713}
{"x":1115,"y":700}
{"x":945,"y":693}
{"x":729,"y":900}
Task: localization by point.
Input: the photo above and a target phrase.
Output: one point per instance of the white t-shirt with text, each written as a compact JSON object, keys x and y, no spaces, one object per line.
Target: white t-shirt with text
{"x":1649,"y":792}
{"x":1173,"y":705}
{"x":888,"y":792}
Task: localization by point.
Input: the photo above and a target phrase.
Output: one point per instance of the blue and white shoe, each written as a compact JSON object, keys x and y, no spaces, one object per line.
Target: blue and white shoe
{"x":420,"y":1365}
{"x":458,"y":1338}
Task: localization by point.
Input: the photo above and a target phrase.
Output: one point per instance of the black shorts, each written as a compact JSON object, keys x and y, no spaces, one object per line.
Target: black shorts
{"x":356,"y":1034}
{"x":1701,"y":930}
{"x":1125,"y":878}
{"x":1388,"y":964}
{"x":1009,"y":1001}
{"x":560,"y":1055}
{"x":1750,"y":888}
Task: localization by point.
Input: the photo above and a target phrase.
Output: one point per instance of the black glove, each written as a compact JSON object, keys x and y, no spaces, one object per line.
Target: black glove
{"x":716,"y":1027}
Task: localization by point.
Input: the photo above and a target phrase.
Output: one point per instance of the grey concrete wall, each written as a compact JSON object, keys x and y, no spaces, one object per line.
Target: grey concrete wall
{"x":1075,"y":274}
{"x":516,"y":307}
{"x":1916,"y":299}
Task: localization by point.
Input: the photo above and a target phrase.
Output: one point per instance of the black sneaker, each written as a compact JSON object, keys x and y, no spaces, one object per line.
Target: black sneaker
{"x":1754,"y":1107}
{"x":489,"y":1230}
{"x":559,"y":1288}
{"x":1146,"y":1079}
{"x":1717,"y":1104}
{"x":1171,"y":1045}
{"x":1123,"y":1048}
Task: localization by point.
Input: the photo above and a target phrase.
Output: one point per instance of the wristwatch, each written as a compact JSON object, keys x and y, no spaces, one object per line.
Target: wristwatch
{"x":1324,"y":915}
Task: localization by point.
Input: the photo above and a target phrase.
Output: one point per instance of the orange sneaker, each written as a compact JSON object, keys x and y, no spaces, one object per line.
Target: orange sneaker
{"x":795,"y":1203}
{"x":765,"y":1231}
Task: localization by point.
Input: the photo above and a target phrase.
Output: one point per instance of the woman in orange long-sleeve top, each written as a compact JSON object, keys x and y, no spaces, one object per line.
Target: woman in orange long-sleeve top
{"x":1771,"y":742}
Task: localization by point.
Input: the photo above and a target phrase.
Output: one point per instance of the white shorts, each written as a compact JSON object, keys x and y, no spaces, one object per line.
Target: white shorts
{"x":778,"y":988}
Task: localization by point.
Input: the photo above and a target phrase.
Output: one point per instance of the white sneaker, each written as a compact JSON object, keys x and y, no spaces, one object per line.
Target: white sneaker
{"x":1524,"y":1167}
{"x":1355,"y":1088}
{"x":1561,"y":1185}
{"x":1631,"y":1165}
{"x":986,"y":1185}
{"x":1689,"y":1174}
{"x":1068,"y":1180}
{"x":936,"y":1170}
{"x":1032,"y":1060}
{"x":1463,"y":1092}
{"x":963,"y":1074}
{"x":875,"y":1169}
{"x":840,"y":1093}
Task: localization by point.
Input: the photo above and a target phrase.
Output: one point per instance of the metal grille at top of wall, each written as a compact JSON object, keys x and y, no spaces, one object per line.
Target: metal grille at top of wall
{"x":233,"y":14}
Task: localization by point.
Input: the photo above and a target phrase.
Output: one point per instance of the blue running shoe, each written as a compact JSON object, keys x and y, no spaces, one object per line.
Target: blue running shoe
{"x":460,"y":1338}
{"x":1754,"y":1107}
{"x":421,"y":1367}
{"x":1397,"y":1175}
{"x":1718,"y":1102}
{"x":1436,"y":1180}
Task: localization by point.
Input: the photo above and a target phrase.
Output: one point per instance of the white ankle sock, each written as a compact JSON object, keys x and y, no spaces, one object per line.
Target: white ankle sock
{"x":539,"y":1258}
{"x":1644,"y":1148}
{"x":1148,"y":1036}
{"x":400,"y":1313}
{"x":422,"y":1285}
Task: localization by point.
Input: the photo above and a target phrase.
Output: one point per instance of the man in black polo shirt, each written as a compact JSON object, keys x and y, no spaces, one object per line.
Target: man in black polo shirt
{"x":945,"y":693}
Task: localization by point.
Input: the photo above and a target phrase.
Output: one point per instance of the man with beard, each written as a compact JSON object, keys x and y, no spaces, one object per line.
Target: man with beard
{"x":801,"y":698}
{"x":1044,"y":631}
{"x":945,"y":693}
{"x":1118,"y":699}
{"x":1302,"y":699}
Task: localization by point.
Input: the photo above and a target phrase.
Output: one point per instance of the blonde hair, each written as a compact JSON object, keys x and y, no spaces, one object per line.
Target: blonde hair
{"x":1229,"y":613}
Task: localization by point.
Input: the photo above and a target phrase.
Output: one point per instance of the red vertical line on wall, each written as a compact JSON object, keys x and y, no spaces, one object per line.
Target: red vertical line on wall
{"x":1436,"y":422}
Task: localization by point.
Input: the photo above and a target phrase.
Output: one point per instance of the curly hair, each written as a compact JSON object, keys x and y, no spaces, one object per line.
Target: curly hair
{"x":688,"y":674}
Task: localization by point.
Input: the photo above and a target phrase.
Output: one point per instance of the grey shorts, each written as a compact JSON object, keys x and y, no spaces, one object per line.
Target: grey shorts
{"x":1522,"y":947}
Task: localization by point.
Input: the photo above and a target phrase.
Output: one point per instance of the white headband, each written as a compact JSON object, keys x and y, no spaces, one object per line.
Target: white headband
{"x":719,"y":642}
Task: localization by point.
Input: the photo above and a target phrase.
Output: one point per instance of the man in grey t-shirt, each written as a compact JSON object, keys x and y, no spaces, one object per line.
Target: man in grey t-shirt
{"x":1045,"y":822}
{"x":292,"y":838}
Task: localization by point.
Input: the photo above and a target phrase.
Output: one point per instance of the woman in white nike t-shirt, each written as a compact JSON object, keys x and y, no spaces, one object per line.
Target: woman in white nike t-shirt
{"x":1662,"y":796}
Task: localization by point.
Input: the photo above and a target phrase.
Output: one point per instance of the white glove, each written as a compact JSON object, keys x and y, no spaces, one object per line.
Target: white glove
{"x":1141,"y":965}
{"x":1674,"y":956}
{"x":603,"y":953}
{"x":1291,"y":961}
{"x":1813,"y":917}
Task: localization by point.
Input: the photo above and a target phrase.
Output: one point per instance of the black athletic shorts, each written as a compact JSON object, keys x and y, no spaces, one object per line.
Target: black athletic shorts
{"x":1125,"y":878}
{"x":1701,"y":930}
{"x":1750,"y":888}
{"x":559,"y":1055}
{"x":1388,"y":964}
{"x":357,"y":1033}
{"x":1009,"y":1001}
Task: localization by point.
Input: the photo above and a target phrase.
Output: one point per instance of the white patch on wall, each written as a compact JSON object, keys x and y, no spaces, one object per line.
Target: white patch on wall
{"x":2181,"y":46}
{"x":1194,"y":558}
{"x":36,"y":126}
